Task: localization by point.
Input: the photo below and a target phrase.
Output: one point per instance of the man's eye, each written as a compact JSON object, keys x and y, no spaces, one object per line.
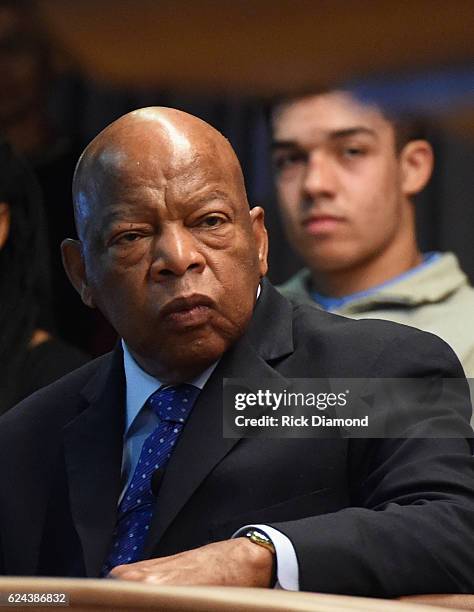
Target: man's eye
{"x":128,"y":237}
{"x":351,"y":152}
{"x":288,"y":160}
{"x":212,"y":221}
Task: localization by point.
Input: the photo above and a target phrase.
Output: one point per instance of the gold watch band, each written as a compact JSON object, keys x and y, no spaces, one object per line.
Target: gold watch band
{"x":257,"y":537}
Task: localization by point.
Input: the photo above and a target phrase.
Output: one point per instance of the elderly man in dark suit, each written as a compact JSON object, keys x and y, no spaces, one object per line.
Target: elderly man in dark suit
{"x":121,"y":468}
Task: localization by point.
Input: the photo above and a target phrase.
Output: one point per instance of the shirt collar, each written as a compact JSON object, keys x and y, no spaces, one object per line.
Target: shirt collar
{"x":331,"y":303}
{"x":140,"y":385}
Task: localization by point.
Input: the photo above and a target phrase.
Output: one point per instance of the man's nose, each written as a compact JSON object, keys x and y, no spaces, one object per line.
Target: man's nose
{"x":176,"y":252}
{"x":320,"y":179}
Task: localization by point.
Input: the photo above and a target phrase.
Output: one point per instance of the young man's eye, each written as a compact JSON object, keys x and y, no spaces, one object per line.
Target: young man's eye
{"x":352,"y":152}
{"x":284,"y":161}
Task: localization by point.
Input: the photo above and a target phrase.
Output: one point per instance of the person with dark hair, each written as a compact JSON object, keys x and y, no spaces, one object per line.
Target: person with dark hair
{"x":30,"y":357}
{"x":346,"y":172}
{"x":126,"y":471}
{"x":30,"y":82}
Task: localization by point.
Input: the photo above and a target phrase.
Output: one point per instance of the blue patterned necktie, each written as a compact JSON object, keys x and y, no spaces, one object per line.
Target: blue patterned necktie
{"x":172,"y":405}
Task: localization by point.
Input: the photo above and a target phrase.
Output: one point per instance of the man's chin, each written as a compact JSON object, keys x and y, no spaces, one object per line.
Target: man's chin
{"x":198,"y":355}
{"x":185,"y":358}
{"x":331,"y":260}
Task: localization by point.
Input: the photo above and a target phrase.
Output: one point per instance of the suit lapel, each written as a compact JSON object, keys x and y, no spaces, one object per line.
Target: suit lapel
{"x":93,"y":454}
{"x":202,"y":445}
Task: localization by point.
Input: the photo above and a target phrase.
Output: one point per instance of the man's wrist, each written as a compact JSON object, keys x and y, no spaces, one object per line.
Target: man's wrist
{"x":287,"y":569}
{"x":259,"y":538}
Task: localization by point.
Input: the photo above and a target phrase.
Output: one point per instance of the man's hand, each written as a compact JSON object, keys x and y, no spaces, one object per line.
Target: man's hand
{"x":236,"y":562}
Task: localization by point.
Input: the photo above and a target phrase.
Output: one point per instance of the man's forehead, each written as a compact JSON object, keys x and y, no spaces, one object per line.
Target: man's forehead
{"x":137,"y":152}
{"x":326,"y":114}
{"x":151,"y":151}
{"x":118,"y":171}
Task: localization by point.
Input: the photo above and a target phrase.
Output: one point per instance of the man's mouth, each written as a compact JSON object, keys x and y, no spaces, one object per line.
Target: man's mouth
{"x":189,"y":311}
{"x":321,"y":223}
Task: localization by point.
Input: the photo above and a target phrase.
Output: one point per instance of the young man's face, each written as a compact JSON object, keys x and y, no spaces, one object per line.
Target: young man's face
{"x":338,"y":180}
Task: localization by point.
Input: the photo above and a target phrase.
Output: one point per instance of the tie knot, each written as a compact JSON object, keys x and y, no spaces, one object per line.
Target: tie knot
{"x":174,"y":403}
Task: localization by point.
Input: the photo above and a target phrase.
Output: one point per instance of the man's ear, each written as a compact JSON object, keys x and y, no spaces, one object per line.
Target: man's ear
{"x":416,"y":165}
{"x":257,"y":217}
{"x":73,"y":262}
{"x":4,"y":223}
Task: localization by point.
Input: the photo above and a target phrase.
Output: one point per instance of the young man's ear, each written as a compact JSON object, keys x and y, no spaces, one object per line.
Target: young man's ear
{"x":73,"y":262}
{"x":257,"y":216}
{"x":4,"y":223}
{"x":416,"y":165}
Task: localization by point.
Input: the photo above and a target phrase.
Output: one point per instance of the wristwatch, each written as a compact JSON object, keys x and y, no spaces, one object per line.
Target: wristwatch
{"x":258,"y":537}
{"x":261,"y":539}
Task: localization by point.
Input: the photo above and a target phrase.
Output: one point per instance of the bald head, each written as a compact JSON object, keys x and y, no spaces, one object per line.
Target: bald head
{"x":164,"y":142}
{"x":170,"y":251}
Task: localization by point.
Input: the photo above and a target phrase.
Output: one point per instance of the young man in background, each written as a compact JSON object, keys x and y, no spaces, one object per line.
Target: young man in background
{"x":346,"y":174}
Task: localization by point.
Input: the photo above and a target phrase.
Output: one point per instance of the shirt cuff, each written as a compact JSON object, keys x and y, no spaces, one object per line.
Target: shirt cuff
{"x":287,"y":563}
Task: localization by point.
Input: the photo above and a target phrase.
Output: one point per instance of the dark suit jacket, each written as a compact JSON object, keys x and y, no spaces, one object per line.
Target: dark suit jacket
{"x":368,"y":517}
